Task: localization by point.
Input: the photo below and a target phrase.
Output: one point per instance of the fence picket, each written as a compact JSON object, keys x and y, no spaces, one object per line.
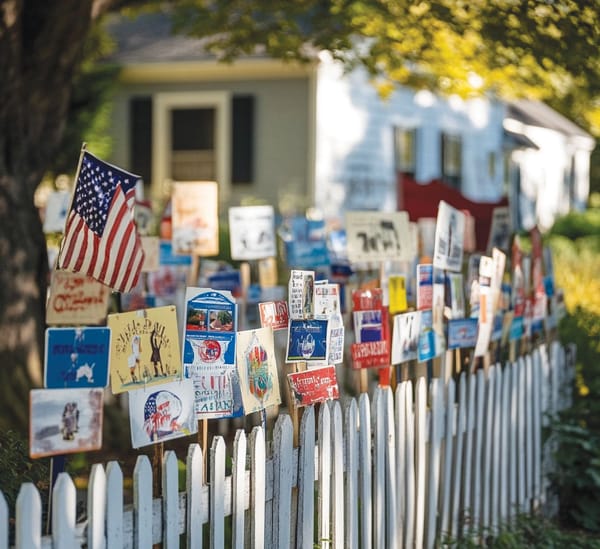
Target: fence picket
{"x":529,"y":434}
{"x":324,"y":484}
{"x":420,"y":458}
{"x":409,"y":459}
{"x":352,"y":490}
{"x":306,"y":480}
{"x":364,"y":437}
{"x":217,"y":493}
{"x":337,"y":476}
{"x":433,"y":476}
{"x":238,"y":489}
{"x":142,"y":503}
{"x":400,"y":421}
{"x":447,"y":461}
{"x":282,"y":480}
{"x":496,"y":462}
{"x":467,"y":465}
{"x":96,"y":505}
{"x":521,"y":421}
{"x":114,"y":506}
{"x":476,"y":498}
{"x":378,"y":471}
{"x":257,"y":488}
{"x":391,"y":503}
{"x":505,"y":441}
{"x":170,"y":501}
{"x":459,"y":443}
{"x":194,"y":482}
{"x":488,"y":437}
{"x":64,"y":508}
{"x":28,"y":524}
{"x":513,"y":442}
{"x":3,"y":522}
{"x":537,"y":430}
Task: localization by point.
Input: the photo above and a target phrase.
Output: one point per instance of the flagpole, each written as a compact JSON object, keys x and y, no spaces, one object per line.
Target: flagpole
{"x":79,"y":163}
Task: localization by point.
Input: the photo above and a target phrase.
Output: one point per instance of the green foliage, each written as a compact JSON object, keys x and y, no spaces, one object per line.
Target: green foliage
{"x":578,"y":224}
{"x":524,"y":532}
{"x":16,"y":467}
{"x":578,"y":473}
{"x":575,"y":241}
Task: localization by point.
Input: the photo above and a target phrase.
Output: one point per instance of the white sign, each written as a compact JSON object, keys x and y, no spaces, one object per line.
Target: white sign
{"x":252,"y":232}
{"x":378,"y":236}
{"x":449,"y":238}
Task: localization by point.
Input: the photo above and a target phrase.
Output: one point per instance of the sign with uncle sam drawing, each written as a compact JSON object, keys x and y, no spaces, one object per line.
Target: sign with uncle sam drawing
{"x":257,"y":369}
{"x":377,"y":236}
{"x":144,"y":348}
{"x":162,"y":413}
{"x":76,"y":357}
{"x":209,"y":341}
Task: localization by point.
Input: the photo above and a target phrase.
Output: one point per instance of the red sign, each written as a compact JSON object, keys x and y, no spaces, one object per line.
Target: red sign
{"x":274,"y":314}
{"x":315,"y":385}
{"x":372,"y":354}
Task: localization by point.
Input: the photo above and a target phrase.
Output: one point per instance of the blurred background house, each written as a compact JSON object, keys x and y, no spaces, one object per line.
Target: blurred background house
{"x":297,"y":135}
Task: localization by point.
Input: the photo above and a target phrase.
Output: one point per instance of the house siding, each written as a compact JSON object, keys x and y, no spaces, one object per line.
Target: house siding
{"x":281,"y":147}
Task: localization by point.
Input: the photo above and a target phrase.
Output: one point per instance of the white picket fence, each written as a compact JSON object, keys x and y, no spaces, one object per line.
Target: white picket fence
{"x":457,"y":458}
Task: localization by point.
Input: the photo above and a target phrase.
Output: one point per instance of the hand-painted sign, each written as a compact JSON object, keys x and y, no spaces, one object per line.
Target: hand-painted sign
{"x":314,"y":385}
{"x":252,"y":232}
{"x":76,"y":357}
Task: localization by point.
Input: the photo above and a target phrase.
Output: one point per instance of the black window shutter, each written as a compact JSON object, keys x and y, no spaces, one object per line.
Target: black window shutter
{"x":242,"y":139}
{"x":140,"y":138}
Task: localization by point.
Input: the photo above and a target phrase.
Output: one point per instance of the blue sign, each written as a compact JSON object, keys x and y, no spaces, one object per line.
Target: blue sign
{"x":462,"y":332}
{"x":307,"y":341}
{"x":76,"y":357}
{"x":167,"y":257}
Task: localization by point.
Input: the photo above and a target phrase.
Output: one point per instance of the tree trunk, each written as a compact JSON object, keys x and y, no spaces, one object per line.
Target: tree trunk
{"x":23,"y":282}
{"x":41,"y":45}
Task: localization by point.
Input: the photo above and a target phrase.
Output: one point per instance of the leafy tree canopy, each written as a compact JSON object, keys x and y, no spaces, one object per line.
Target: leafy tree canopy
{"x":508,"y":48}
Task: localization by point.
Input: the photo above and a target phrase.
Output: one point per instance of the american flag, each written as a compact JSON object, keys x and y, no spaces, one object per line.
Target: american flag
{"x":100,"y":238}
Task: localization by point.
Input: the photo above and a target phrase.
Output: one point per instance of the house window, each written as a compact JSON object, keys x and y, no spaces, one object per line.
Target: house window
{"x":452,"y":160}
{"x":193,"y":144}
{"x":405,"y":150}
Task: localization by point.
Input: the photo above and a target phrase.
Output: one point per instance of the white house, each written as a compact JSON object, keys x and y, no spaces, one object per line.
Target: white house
{"x":304,"y":135}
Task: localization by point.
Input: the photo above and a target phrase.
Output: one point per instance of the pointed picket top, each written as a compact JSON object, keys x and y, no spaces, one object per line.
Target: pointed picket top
{"x":282,"y":480}
{"x":337,"y":480}
{"x":217,"y":493}
{"x":324,"y":485}
{"x":63,"y":522}
{"x":142,"y":502}
{"x":306,"y":480}
{"x":194,"y":483}
{"x":3,"y":522}
{"x":351,"y":487}
{"x":114,"y":505}
{"x":365,"y":470}
{"x":28,"y":528}
{"x":257,"y":488}
{"x":170,"y":500}
{"x":96,"y":504}
{"x":238,"y":490}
